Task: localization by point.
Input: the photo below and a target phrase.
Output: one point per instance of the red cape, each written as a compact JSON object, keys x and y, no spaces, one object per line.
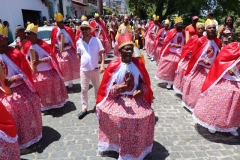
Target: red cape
{"x":113,"y":65}
{"x":226,"y":57}
{"x":169,"y":36}
{"x":157,"y":38}
{"x":197,"y":51}
{"x":46,"y":47}
{"x":188,"y":47}
{"x":7,"y":124}
{"x":78,"y":33}
{"x":151,"y":25}
{"x":19,"y":59}
{"x":54,"y":34}
{"x":94,"y":24}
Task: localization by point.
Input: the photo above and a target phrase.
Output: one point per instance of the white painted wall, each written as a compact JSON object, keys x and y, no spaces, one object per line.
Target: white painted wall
{"x":11,"y":11}
{"x":66,"y":4}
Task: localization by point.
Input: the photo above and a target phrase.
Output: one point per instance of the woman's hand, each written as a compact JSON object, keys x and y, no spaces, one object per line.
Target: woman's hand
{"x":206,"y":62}
{"x":232,"y":72}
{"x":137,"y":93}
{"x":9,"y":81}
{"x":122,"y":88}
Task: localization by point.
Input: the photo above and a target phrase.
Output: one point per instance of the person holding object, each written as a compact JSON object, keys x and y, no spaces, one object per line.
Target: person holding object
{"x":218,"y":107}
{"x":203,"y":56}
{"x":89,"y":48}
{"x":170,"y":53}
{"x":123,"y":106}
{"x":24,"y":104}
{"x":65,"y":51}
{"x":47,"y":78}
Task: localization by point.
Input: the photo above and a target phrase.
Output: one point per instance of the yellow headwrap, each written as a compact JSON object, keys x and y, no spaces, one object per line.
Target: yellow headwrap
{"x":209,"y":22}
{"x":155,"y":18}
{"x":3,"y":31}
{"x":167,"y":22}
{"x":83,"y":18}
{"x":58,"y":17}
{"x":198,"y":24}
{"x":31,"y":27}
{"x":96,"y":15}
{"x":178,"y":20}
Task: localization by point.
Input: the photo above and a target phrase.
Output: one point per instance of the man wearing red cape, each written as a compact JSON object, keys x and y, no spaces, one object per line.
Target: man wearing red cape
{"x":101,"y":33}
{"x":66,"y":52}
{"x":48,"y":79}
{"x":153,"y":28}
{"x":126,"y":119}
{"x":219,"y":105}
{"x":203,"y":55}
{"x":185,"y":58}
{"x":23,"y":103}
{"x":9,"y":148}
{"x":170,"y":53}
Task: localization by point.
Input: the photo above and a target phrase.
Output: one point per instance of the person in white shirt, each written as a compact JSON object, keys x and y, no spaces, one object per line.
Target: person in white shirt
{"x":89,"y":48}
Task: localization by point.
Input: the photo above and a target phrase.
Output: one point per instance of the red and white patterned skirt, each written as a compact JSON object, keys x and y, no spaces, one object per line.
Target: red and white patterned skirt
{"x":116,"y":51}
{"x":51,"y":89}
{"x":179,"y":76}
{"x":166,"y":67}
{"x":69,"y":64}
{"x":220,"y":108}
{"x":126,"y":125}
{"x":149,"y":47}
{"x":25,"y":108}
{"x":193,"y":86}
{"x":157,"y":54}
{"x":106,"y":46}
{"x":9,"y":151}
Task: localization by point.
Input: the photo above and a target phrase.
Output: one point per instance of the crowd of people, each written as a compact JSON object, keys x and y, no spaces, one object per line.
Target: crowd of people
{"x":198,"y":62}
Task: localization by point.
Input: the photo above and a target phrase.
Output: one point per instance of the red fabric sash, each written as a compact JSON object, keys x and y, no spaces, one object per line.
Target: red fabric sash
{"x":46,"y":47}
{"x":104,"y":34}
{"x":151,"y":25}
{"x":7,"y":124}
{"x":19,"y":59}
{"x":54,"y":34}
{"x":197,"y":51}
{"x":226,"y":57}
{"x":157,"y":39}
{"x":113,"y":65}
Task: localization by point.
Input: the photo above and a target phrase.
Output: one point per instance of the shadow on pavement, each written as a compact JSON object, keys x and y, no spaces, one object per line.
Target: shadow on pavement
{"x":178,"y":95}
{"x":76,"y":88}
{"x":59,"y":112}
{"x":218,"y":137}
{"x":162,"y":85}
{"x":49,"y":135}
{"x":159,"y":152}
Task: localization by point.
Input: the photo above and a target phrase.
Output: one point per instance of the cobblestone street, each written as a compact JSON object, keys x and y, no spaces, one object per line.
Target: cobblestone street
{"x":177,"y":136}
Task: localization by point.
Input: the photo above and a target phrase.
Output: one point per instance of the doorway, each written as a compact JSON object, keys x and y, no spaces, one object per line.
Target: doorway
{"x":31,"y":16}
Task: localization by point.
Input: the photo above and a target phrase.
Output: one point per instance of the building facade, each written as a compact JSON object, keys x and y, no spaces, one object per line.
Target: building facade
{"x":19,"y":13}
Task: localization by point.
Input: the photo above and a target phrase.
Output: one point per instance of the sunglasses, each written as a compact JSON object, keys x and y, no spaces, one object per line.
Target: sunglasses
{"x":84,"y":29}
{"x":27,"y":33}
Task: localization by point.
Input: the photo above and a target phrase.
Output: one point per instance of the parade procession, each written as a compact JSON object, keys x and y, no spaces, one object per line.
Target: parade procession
{"x":120,"y":86}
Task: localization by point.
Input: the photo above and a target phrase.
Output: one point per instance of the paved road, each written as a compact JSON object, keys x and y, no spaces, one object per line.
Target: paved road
{"x":176,"y":134}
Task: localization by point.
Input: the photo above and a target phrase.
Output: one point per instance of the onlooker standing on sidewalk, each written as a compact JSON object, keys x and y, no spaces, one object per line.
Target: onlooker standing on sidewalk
{"x":10,"y":35}
{"x":89,"y":48}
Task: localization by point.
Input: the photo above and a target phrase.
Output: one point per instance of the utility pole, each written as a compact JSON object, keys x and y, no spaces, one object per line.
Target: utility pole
{"x":100,"y":7}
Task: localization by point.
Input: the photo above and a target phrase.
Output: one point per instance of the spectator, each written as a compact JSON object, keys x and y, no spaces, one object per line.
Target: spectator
{"x":227,"y":31}
{"x":10,"y":35}
{"x":210,"y":16}
{"x":192,"y":27}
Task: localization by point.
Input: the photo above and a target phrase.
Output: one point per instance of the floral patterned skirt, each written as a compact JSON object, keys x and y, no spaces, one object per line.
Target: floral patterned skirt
{"x":126,"y":125}
{"x":9,"y":151}
{"x":179,"y":76}
{"x":69,"y":64}
{"x":51,"y":89}
{"x":219,"y":109}
{"x":106,"y":46}
{"x":166,"y":67}
{"x":193,"y":86}
{"x":149,"y":46}
{"x":25,"y":108}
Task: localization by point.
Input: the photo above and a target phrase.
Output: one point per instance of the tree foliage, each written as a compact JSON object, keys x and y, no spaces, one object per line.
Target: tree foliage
{"x":186,"y":8}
